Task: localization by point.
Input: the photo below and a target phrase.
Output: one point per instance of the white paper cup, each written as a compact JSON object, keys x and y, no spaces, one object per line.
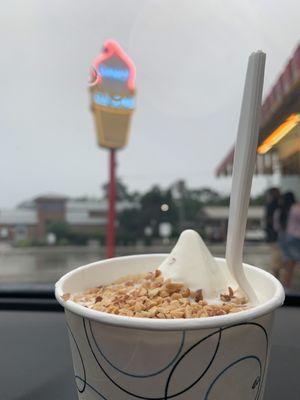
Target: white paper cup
{"x":215,"y":358}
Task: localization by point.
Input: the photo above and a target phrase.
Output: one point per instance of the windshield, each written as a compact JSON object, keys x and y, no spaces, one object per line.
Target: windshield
{"x":118,"y":127}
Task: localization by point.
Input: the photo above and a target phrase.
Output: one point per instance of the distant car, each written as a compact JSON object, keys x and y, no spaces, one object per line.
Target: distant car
{"x":255,"y":235}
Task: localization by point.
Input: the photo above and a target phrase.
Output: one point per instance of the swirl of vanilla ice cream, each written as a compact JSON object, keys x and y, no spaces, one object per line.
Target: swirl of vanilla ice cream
{"x":191,"y":263}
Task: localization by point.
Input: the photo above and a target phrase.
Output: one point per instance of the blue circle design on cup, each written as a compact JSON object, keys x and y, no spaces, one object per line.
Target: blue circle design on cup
{"x":171,"y":362}
{"x":83,"y":380}
{"x":255,"y":386}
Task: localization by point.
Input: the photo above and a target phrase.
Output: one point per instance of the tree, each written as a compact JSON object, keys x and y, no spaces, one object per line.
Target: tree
{"x":122,"y":191}
{"x":60,"y":229}
{"x":152,"y":213}
{"x":133,"y":221}
{"x":192,"y":209}
{"x":130,"y":227}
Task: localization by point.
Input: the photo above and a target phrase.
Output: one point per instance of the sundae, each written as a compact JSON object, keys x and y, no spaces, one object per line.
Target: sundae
{"x":188,"y":284}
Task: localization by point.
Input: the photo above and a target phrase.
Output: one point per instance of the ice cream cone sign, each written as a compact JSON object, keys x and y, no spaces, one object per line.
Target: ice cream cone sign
{"x":112,"y":86}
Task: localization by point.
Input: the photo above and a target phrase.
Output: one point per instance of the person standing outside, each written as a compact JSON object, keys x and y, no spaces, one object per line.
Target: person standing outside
{"x":272,"y":204}
{"x":289,"y":238}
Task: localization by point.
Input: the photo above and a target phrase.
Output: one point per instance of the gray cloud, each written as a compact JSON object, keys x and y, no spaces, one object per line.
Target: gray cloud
{"x":191,"y":59}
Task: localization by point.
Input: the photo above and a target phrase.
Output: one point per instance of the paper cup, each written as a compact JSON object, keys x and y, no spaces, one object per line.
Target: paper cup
{"x":117,"y":357}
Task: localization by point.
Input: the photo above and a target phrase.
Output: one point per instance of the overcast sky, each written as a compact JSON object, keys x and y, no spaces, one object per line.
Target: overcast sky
{"x":191,"y":59}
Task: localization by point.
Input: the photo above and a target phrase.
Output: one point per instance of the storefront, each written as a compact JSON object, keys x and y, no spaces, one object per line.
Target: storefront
{"x":279,"y":136}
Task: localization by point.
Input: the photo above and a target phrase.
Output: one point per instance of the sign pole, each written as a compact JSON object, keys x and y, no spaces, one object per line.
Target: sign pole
{"x":112,"y":88}
{"x":110,"y":245}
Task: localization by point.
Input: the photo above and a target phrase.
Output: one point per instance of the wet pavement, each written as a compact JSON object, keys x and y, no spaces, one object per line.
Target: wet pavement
{"x":47,"y":264}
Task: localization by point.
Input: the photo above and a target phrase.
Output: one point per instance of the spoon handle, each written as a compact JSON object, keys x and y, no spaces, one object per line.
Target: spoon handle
{"x":243,"y":169}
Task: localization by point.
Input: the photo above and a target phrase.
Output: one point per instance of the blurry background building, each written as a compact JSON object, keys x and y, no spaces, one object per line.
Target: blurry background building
{"x":215,"y":223}
{"x":78,"y":220}
{"x":32,"y":220}
{"x":279,"y":137}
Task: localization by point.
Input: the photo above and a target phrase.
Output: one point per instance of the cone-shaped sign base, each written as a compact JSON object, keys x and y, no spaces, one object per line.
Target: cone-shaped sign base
{"x":112,"y":128}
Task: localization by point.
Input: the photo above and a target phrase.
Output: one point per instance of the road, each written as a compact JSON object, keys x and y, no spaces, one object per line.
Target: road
{"x":47,"y":264}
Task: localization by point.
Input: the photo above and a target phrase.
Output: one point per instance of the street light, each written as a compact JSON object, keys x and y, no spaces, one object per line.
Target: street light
{"x":112,"y":87}
{"x":164,"y":207}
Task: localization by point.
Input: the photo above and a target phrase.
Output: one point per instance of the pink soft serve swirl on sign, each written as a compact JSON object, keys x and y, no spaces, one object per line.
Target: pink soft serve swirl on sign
{"x":111,"y":48}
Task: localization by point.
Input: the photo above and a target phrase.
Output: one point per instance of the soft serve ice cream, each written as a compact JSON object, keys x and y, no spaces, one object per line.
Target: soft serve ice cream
{"x":188,"y":284}
{"x":191,"y":263}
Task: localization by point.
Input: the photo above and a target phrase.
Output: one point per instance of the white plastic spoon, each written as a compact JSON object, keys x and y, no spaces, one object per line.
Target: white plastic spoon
{"x":243,"y":169}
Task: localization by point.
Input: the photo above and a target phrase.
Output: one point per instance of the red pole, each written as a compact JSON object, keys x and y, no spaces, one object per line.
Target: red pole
{"x":110,"y":237}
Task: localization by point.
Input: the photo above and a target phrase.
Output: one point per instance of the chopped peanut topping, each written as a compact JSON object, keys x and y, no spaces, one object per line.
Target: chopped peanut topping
{"x":149,"y":295}
{"x":66,"y":296}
